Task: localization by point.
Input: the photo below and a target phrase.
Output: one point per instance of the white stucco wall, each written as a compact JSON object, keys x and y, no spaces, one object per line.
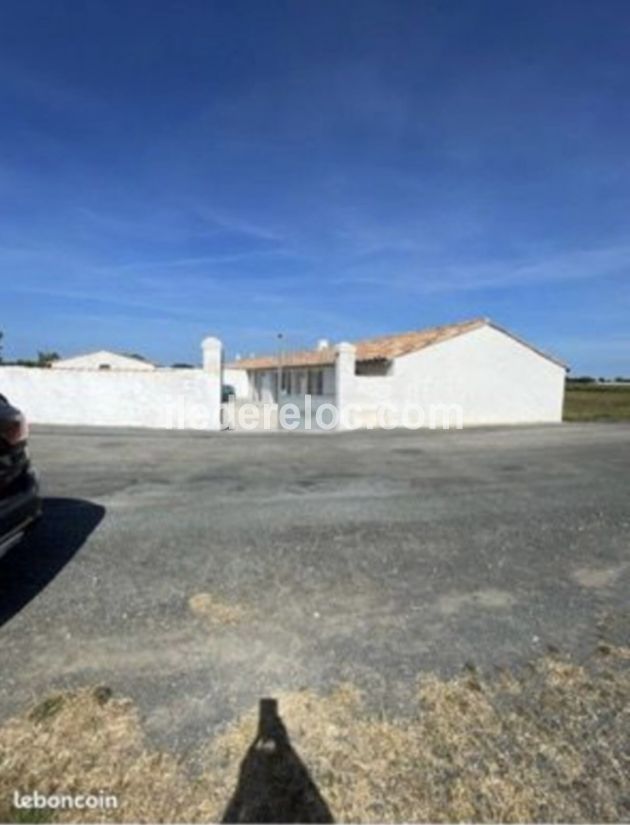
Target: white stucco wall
{"x":489,"y":376}
{"x":238,"y":379}
{"x":102,"y":358}
{"x":186,"y":399}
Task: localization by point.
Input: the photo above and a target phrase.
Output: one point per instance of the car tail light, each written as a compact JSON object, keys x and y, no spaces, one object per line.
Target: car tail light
{"x":15,"y":431}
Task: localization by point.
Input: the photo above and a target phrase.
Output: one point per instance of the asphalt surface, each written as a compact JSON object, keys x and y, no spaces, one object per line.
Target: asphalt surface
{"x":361,"y":557}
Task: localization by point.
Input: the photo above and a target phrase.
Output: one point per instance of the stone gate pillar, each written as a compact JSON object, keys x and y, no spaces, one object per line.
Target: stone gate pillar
{"x":213,"y":367}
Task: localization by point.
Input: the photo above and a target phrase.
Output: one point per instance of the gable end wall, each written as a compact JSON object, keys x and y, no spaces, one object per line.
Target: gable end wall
{"x":495,"y":379}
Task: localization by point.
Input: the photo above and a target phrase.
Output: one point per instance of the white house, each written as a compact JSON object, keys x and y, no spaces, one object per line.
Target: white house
{"x":103,"y":360}
{"x":463,"y":374}
{"x":472,"y":373}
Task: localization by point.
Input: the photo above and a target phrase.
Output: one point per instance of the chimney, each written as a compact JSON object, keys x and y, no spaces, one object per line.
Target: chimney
{"x":323,"y":343}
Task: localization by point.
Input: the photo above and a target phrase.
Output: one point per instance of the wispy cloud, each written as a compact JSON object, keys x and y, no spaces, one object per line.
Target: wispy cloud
{"x":419,"y":277}
{"x":199,"y":260}
{"x":158,"y":309}
{"x":175,"y":222}
{"x":219,"y":220}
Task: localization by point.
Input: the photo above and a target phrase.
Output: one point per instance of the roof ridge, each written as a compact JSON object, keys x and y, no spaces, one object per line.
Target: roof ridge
{"x":425,"y":330}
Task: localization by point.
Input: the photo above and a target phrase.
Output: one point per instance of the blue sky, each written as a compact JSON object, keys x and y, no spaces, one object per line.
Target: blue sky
{"x":322,"y":168}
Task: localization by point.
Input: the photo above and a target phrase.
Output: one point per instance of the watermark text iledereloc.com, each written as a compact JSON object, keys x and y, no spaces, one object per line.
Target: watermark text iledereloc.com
{"x":307,"y":413}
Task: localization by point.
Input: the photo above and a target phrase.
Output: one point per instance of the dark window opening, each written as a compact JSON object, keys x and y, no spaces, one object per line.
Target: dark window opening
{"x":377,"y":367}
{"x":286,"y":382}
{"x":316,"y":382}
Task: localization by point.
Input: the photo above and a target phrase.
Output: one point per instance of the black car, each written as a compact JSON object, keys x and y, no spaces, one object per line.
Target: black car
{"x":20,"y":504}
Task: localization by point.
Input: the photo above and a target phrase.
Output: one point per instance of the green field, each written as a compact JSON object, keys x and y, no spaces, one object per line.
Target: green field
{"x":596,"y":402}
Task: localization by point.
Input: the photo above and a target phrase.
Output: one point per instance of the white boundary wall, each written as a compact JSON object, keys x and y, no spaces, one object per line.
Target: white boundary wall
{"x":163,"y":398}
{"x":239,"y":380}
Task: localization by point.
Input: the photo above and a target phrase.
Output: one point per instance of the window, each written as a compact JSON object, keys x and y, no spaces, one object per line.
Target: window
{"x":286,"y":382}
{"x":315,"y":382}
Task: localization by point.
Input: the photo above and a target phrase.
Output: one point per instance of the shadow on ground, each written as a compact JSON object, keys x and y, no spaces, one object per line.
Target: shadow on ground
{"x":274,"y":784}
{"x":31,"y":565}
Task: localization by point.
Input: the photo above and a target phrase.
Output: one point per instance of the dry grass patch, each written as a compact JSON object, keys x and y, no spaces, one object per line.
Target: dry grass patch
{"x":597,"y":402}
{"x":549,"y":743}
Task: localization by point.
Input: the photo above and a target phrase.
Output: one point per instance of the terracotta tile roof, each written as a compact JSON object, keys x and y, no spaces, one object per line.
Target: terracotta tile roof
{"x":392,"y":346}
{"x":385,"y":347}
{"x":301,"y":358}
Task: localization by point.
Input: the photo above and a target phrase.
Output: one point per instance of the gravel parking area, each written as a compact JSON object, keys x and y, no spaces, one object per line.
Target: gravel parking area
{"x":196,"y":573}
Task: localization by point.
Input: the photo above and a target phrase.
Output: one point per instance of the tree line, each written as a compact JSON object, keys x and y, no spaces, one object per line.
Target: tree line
{"x":44,"y":357}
